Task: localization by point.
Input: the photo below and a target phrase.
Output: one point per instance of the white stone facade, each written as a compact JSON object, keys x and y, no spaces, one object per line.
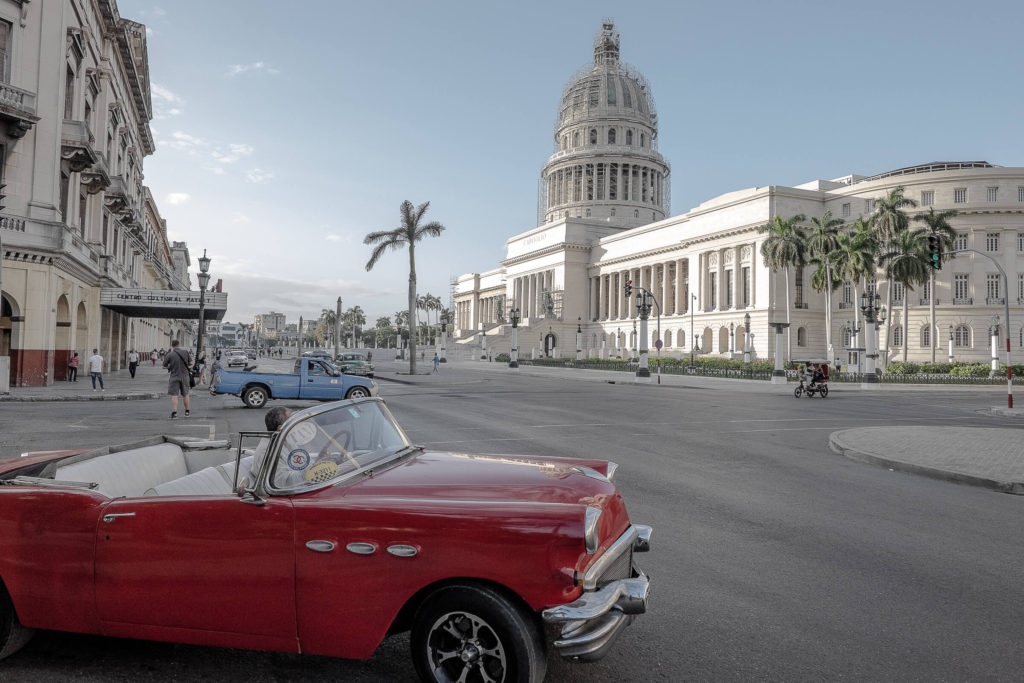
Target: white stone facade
{"x":706,"y":272}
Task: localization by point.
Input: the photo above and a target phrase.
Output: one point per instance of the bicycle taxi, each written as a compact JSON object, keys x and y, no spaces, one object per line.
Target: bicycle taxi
{"x":813,"y":378}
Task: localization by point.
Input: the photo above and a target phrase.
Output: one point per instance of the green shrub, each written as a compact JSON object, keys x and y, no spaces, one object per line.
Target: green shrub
{"x":936,"y":368}
{"x":970,"y":370}
{"x":902,"y":368}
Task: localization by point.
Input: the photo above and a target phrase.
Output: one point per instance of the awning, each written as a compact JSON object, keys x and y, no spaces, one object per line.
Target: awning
{"x":163,"y":303}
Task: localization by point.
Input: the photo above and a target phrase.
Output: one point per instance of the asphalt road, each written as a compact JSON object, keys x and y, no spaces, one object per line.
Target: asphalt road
{"x":773,"y":558}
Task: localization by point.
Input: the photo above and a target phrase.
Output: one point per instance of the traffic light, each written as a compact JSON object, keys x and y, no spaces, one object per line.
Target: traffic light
{"x":935,"y":251}
{"x":628,"y":288}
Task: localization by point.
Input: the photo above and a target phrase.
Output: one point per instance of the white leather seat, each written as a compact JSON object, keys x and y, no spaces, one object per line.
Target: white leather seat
{"x":211,"y":481}
{"x":128,"y":473}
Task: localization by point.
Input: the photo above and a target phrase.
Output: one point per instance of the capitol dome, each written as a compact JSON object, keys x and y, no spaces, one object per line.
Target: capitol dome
{"x":606,"y":165}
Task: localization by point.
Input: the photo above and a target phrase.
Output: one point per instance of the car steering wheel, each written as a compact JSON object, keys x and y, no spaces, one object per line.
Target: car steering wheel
{"x":335,"y":440}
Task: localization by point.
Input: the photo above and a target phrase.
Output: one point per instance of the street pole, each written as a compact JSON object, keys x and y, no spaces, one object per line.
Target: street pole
{"x":444,"y":340}
{"x":693,"y":304}
{"x":779,"y":373}
{"x":642,"y":371}
{"x":874,"y":316}
{"x":337,"y":329}
{"x":513,"y":355}
{"x":950,"y":343}
{"x":746,"y":339}
{"x":579,"y":339}
{"x":204,"y":280}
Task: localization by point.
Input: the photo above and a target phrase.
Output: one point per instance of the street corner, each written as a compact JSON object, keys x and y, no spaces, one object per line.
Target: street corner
{"x":1004,"y":411}
{"x":978,"y":456}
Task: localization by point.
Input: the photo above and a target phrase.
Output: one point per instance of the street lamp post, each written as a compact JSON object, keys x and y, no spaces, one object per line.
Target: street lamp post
{"x":644,"y":308}
{"x":444,"y":339}
{"x":746,"y":339}
{"x":732,"y":338}
{"x":693,"y":337}
{"x":483,"y":345}
{"x":950,"y":343}
{"x":993,"y":331}
{"x":513,"y":356}
{"x":204,"y":280}
{"x":874,"y":316}
{"x":579,"y":339}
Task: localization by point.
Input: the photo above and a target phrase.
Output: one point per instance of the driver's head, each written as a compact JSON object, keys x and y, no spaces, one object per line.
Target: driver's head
{"x":276,"y":417}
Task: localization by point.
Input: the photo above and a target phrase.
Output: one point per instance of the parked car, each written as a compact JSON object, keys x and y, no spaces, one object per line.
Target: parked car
{"x":340,"y":530}
{"x":316,"y":353}
{"x":233,"y":358}
{"x":311,"y":378}
{"x":502,"y":358}
{"x":355,"y":367}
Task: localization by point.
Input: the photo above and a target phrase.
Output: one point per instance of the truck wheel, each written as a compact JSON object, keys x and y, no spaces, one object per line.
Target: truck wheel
{"x":255,"y":397}
{"x":357,"y":392}
{"x":472,"y":633}
{"x":13,"y":635}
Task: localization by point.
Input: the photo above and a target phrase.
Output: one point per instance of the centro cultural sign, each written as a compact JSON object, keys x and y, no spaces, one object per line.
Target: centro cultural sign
{"x":163,"y":303}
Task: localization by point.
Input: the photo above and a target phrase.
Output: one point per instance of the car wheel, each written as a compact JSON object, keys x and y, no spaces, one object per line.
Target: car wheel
{"x":357,"y":392}
{"x":13,"y":635}
{"x":255,"y":397}
{"x":473,"y":633}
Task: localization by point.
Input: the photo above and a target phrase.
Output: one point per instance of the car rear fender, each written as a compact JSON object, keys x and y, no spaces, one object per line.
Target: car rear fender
{"x":260,"y":385}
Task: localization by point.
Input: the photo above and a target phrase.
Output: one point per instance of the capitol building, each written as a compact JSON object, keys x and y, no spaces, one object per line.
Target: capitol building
{"x":604,"y":218}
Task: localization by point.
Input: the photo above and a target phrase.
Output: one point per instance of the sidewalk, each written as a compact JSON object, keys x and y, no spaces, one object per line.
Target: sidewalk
{"x":150,"y":382}
{"x":981,"y":456}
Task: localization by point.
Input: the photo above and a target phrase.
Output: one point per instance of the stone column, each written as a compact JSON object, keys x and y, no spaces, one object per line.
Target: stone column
{"x":778,"y":374}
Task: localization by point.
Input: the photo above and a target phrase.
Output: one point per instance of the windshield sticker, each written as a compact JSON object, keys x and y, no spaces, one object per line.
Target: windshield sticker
{"x":298,"y":460}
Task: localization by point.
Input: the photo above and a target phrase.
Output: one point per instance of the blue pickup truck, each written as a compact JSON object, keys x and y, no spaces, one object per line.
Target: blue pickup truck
{"x":311,"y":379}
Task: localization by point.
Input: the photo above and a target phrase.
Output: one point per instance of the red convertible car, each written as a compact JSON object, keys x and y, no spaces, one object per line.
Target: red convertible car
{"x":341,"y":531}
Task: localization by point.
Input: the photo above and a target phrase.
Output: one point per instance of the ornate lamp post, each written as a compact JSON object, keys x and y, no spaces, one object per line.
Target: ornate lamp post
{"x":693,"y":337}
{"x":633,"y":343}
{"x":746,"y":339}
{"x":579,"y":339}
{"x":732,"y":338}
{"x":513,"y":355}
{"x":993,"y":332}
{"x":204,"y":280}
{"x":444,"y":339}
{"x":483,"y":345}
{"x":644,"y":309}
{"x":874,"y":316}
{"x":854,"y":331}
{"x":950,"y":343}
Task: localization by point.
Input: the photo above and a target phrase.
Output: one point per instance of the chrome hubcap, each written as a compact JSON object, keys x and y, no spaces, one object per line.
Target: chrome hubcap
{"x":464,"y":648}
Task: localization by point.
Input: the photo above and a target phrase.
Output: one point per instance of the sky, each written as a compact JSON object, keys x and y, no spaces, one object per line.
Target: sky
{"x":285,"y":132}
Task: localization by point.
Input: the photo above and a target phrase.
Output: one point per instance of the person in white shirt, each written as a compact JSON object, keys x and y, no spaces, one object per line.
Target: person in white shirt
{"x":96,"y":369}
{"x":133,"y":362}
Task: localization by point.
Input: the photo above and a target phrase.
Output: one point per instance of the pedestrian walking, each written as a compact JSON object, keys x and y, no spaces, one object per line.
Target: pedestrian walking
{"x":153,"y":356}
{"x":133,"y":362}
{"x":96,"y":369}
{"x":436,"y":361}
{"x":202,"y":368}
{"x":177,"y":362}
{"x":73,"y":367}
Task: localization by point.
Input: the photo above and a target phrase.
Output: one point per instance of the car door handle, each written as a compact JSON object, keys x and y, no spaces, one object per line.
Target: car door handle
{"x":110,"y":518}
{"x":320,"y":546}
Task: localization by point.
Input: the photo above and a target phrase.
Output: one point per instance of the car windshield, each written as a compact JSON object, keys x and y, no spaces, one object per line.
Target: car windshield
{"x":335,"y":442}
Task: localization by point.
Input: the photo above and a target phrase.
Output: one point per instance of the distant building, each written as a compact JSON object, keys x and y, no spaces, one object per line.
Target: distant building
{"x":604,"y":220}
{"x":268,"y":325}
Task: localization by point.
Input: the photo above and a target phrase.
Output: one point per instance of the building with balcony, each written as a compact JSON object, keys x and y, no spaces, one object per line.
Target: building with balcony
{"x":604,"y":219}
{"x":84,"y":255}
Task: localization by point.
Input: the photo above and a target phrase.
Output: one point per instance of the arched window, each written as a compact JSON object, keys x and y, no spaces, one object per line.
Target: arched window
{"x":801,"y":336}
{"x":576,"y":139}
{"x":897,"y":336}
{"x":629,"y":137}
{"x":668,"y":338}
{"x":611,"y":136}
{"x":962,"y":337}
{"x":641,"y":139}
{"x":593,"y":136}
{"x":926,"y":336}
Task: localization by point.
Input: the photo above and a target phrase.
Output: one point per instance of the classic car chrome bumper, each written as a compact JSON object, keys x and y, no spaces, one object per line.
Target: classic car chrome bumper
{"x":590,"y":624}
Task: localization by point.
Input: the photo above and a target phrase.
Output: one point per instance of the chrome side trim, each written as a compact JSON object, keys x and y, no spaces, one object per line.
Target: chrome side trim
{"x":621,"y":546}
{"x":613,"y":467}
{"x":591,"y":538}
{"x":361,"y":548}
{"x":320,"y":546}
{"x":402,"y":550}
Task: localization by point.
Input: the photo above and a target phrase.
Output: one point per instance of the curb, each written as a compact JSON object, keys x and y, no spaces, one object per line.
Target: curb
{"x":837,"y":445}
{"x":54,"y":399}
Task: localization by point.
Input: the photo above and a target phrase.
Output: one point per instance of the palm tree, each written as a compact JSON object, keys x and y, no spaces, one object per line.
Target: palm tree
{"x":854,"y":257}
{"x":408,"y":234}
{"x":325,"y":326}
{"x":784,"y":247}
{"x":889,"y":220}
{"x":821,"y":243}
{"x":383,"y":327}
{"x":356,"y":318}
{"x":906,"y":261}
{"x":936,"y":224}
